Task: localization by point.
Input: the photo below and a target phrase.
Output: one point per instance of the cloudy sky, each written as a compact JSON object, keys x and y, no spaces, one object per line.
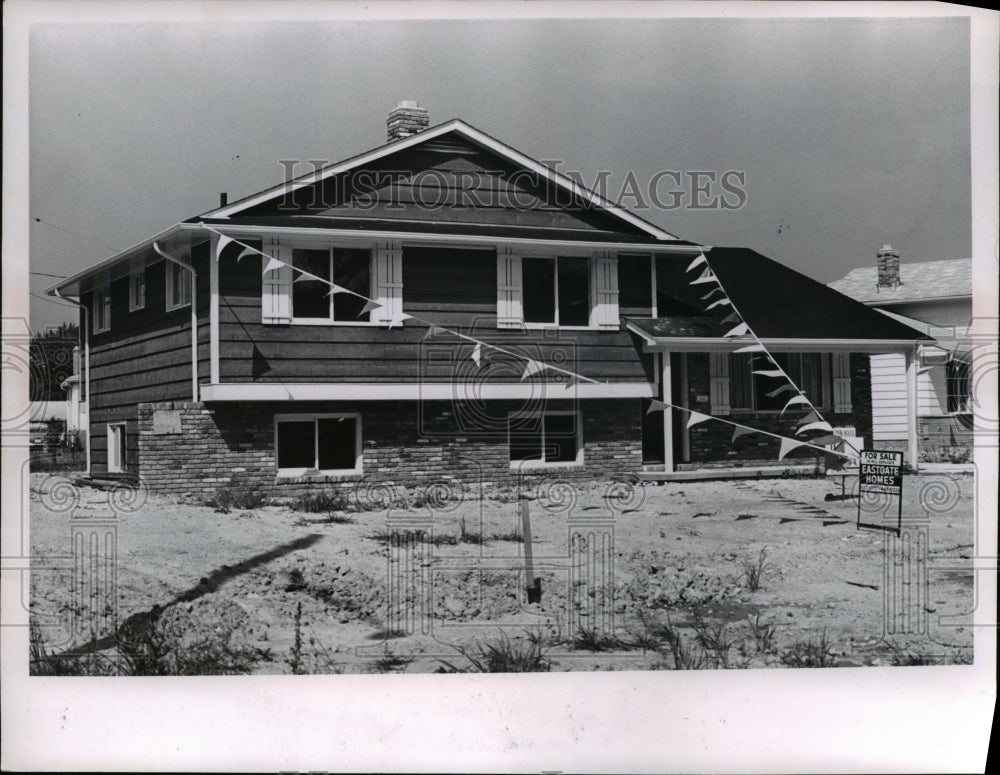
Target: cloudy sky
{"x":850,"y":133}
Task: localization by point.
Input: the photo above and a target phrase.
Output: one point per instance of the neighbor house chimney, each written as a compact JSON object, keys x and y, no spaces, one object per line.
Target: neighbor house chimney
{"x":406,"y":119}
{"x":887,"y":262}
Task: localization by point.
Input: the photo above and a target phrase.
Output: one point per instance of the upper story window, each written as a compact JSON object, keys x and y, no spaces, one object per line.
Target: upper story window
{"x":350,"y":268}
{"x":100,"y":309}
{"x":178,"y":286}
{"x":137,"y":290}
{"x":566,"y":291}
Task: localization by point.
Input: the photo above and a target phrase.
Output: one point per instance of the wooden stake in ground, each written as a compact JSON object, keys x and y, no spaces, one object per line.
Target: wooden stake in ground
{"x":534,"y":588}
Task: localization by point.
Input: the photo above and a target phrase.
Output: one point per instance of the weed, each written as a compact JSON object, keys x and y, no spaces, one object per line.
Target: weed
{"x":320,"y":502}
{"x":762,"y":634}
{"x":514,"y":536}
{"x":384,"y":536}
{"x":716,"y":639}
{"x":503,"y":656}
{"x":593,"y":639}
{"x":809,"y":653}
{"x":903,"y":658}
{"x":42,"y":662}
{"x":754,"y":570}
{"x":389,"y":662}
{"x":467,"y":536}
{"x":295,"y":655}
{"x":236,"y":496}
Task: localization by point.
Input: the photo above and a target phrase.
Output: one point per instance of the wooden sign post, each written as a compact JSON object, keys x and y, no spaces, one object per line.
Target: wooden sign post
{"x":534,"y":587}
{"x":881,"y":472}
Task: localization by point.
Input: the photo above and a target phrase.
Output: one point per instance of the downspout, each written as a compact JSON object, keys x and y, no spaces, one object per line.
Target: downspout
{"x":85,"y":333}
{"x":194,"y":317}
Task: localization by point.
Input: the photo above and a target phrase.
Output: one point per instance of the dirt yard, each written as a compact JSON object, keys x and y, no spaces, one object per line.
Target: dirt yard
{"x":752,"y":573}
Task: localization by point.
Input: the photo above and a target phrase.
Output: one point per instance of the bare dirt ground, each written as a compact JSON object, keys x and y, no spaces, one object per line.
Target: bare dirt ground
{"x":632,"y":577}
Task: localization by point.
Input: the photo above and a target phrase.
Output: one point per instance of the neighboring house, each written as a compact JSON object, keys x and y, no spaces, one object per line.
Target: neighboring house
{"x":76,"y":404}
{"x":40,"y":414}
{"x":209,"y":361}
{"x":934,"y":297}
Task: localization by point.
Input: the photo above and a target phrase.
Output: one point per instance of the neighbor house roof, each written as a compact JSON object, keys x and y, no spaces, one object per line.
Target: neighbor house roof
{"x":775,"y":301}
{"x":924,"y":281}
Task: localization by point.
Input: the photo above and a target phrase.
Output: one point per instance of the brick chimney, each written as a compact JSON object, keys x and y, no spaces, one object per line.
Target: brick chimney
{"x":887,"y":263}
{"x":406,"y":119}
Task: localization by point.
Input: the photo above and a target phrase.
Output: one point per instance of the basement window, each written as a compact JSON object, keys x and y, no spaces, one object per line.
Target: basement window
{"x":350,"y":268}
{"x":318,"y":444}
{"x":553,"y":439}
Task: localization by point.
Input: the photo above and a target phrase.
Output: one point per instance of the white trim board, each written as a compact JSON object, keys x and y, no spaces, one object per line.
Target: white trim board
{"x":413,"y":391}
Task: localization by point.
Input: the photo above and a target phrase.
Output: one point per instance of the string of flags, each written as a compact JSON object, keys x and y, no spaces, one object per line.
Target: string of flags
{"x":812,"y":421}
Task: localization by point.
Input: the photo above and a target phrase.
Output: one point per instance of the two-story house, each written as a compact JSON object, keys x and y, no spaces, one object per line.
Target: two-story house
{"x":934,"y":297}
{"x":444,"y":306}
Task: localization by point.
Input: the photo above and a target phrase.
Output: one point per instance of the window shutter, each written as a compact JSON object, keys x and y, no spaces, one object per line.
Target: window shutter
{"x":388,"y":281}
{"x":605,"y":284}
{"x":509,"y":289}
{"x":276,"y":288}
{"x":841,"y":382}
{"x":718,"y":368}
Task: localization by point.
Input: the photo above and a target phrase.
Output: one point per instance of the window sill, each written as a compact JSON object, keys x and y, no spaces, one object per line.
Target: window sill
{"x":534,"y":465}
{"x":324,"y":322}
{"x":554,"y":327}
{"x":176,"y":307}
{"x":300,"y":475}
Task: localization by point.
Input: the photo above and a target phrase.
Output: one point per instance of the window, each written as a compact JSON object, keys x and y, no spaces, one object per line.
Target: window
{"x":137,"y":290}
{"x":318,"y":444}
{"x":553,"y":439}
{"x":635,"y":285}
{"x":810,"y":372}
{"x":178,"y":286}
{"x":350,"y":268}
{"x":116,"y":447}
{"x":959,"y":388}
{"x":556,"y":291}
{"x":101,"y":310}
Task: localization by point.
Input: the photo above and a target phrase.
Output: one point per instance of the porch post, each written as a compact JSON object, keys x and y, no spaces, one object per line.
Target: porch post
{"x":668,"y":413}
{"x":911,"y":408}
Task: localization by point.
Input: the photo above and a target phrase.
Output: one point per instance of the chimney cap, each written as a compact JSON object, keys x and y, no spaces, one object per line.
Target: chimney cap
{"x":408,"y":104}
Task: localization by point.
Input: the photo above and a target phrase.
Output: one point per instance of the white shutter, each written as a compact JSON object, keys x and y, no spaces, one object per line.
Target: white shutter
{"x":509,"y":289}
{"x":604,"y":281}
{"x":276,"y":287}
{"x":388,"y":281}
{"x":718,"y":369}
{"x":841,"y":382}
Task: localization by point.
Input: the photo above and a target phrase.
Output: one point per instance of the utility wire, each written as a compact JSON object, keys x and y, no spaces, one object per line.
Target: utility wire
{"x":75,"y":234}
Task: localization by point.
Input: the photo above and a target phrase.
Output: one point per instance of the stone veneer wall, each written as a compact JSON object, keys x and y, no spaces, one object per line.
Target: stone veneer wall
{"x":195,"y":448}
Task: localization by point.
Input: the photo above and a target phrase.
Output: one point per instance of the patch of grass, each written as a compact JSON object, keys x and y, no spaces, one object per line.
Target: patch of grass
{"x":514,"y":536}
{"x":389,"y":663}
{"x":42,"y":662}
{"x":810,"y":653}
{"x":385,"y":536}
{"x":467,"y":536}
{"x":236,"y":496}
{"x":503,"y":655}
{"x":716,"y":639}
{"x":762,"y":633}
{"x":593,"y":639}
{"x":754,"y":570}
{"x":905,"y":658}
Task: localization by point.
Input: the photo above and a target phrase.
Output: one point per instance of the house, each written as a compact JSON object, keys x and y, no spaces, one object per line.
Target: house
{"x":934,"y":297}
{"x":445,"y":307}
{"x":76,"y":405}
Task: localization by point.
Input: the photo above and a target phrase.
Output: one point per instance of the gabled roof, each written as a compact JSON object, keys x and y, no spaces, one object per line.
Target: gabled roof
{"x":924,"y":281}
{"x":467,"y":132}
{"x":777,"y":302}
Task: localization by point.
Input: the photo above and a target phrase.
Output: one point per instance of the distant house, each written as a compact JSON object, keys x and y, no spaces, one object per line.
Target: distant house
{"x":445,"y":307}
{"x":934,"y":297}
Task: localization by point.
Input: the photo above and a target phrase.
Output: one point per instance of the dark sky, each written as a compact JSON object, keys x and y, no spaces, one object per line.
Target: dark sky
{"x":850,"y":133}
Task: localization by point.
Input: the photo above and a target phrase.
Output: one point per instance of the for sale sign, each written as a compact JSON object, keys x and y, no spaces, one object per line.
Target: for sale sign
{"x":881,"y":472}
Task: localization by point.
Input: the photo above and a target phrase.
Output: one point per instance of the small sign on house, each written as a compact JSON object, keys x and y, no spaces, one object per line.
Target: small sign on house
{"x":166,"y":421}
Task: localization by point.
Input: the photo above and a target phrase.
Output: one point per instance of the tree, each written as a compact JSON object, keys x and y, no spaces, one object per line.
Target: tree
{"x":51,"y":354}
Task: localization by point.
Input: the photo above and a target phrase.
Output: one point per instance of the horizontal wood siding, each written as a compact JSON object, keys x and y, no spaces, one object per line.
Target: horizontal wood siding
{"x":888,"y":397}
{"x":455,"y":288}
{"x":932,"y":391}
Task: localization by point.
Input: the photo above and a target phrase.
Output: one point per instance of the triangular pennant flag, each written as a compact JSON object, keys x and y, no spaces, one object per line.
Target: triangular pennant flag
{"x":434,"y":331}
{"x":787,"y":445}
{"x":826,"y":441}
{"x":697,"y":417}
{"x":740,"y":330}
{"x":303,"y":275}
{"x":533,"y":367}
{"x":782,"y":389}
{"x":334,"y":288}
{"x":707,"y":277}
{"x":732,"y":317}
{"x":697,"y":262}
{"x":799,"y":399}
{"x":814,"y":426}
{"x":655,"y":406}
{"x":477,"y":354}
{"x":770,"y":373}
{"x":223,"y":241}
{"x":246,"y":252}
{"x":397,"y":322}
{"x":272,"y":263}
{"x":811,"y":416}
{"x":741,"y":430}
{"x":369,"y":307}
{"x":833,"y":461}
{"x":716,"y":289}
{"x":751,"y":348}
{"x":571,"y":379}
{"x":718,"y":303}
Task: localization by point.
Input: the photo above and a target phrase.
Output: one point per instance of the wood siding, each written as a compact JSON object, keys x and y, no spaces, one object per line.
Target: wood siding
{"x":889,"y":395}
{"x":450,"y":287}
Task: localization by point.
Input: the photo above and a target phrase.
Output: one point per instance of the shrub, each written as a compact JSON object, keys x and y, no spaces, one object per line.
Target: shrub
{"x":809,"y":653}
{"x":319,"y":502}
{"x":236,"y":496}
{"x":504,"y":656}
